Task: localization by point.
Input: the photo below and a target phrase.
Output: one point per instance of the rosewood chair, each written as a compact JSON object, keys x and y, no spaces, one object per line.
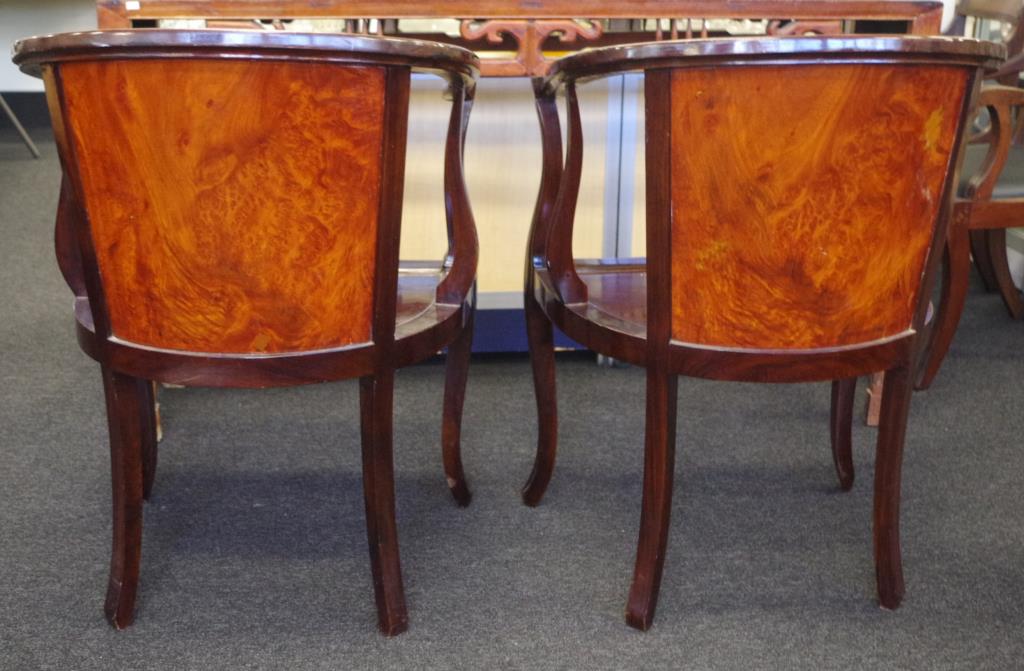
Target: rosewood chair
{"x":989,"y":201}
{"x":230,"y":216}
{"x":797,"y":192}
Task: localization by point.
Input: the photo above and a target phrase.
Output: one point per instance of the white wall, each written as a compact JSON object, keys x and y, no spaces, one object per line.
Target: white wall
{"x":23,"y":18}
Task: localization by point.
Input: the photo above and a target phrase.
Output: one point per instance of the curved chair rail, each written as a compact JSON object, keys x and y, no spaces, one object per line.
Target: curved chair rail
{"x":31,"y":53}
{"x":718,"y":52}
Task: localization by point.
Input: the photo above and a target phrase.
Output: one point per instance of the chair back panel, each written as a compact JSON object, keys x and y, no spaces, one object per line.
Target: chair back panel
{"x":232,"y":203}
{"x":805,"y":198}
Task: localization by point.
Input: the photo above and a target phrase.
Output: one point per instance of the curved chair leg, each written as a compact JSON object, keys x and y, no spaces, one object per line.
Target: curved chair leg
{"x":659,"y":465}
{"x":124,"y":401}
{"x":376,"y":400}
{"x":147,"y":410}
{"x":542,"y":358}
{"x":995,"y":240}
{"x":982,"y":259}
{"x":888,"y":464}
{"x":841,"y":424}
{"x":956,"y":270}
{"x":456,"y":371}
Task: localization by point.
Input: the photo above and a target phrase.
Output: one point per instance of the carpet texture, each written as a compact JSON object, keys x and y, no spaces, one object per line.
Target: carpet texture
{"x":255,"y":557}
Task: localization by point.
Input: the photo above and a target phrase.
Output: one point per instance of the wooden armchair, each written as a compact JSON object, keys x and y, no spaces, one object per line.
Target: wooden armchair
{"x":987,"y":204}
{"x":797,"y":192}
{"x":230,"y":216}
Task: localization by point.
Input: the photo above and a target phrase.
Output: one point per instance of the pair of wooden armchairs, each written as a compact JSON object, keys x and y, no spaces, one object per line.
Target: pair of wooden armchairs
{"x":231,"y":207}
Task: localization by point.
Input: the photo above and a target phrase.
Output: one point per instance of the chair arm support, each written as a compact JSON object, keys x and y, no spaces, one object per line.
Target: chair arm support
{"x":557,"y":244}
{"x":550,"y":175}
{"x":463,"y":246}
{"x":1000,"y":101}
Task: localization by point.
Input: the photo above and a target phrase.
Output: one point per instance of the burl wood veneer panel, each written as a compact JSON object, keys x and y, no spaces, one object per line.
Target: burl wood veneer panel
{"x":804,"y":199}
{"x":233,"y":205}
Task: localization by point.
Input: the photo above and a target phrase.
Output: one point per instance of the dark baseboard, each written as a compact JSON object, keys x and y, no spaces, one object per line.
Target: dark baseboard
{"x":505,"y":331}
{"x":29,"y":107}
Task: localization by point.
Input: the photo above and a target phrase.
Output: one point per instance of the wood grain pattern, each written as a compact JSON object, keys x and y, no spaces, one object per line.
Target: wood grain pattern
{"x":253,"y":221}
{"x":865,"y":148}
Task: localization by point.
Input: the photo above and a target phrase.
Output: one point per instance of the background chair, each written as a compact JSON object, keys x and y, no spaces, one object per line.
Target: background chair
{"x":230,"y":216}
{"x":797,"y":193}
{"x":991,"y":197}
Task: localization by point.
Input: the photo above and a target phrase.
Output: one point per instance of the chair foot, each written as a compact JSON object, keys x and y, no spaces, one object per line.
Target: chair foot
{"x":841,"y":423}
{"x":376,"y":400}
{"x":119,"y":606}
{"x":124,"y":418}
{"x":542,"y":358}
{"x":888,"y":467}
{"x":659,"y":466}
{"x":640,"y":616}
{"x":455,"y":374}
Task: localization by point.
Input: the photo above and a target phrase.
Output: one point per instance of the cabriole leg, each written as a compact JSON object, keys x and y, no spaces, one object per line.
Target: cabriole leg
{"x":542,"y":358}
{"x":456,"y":372}
{"x":376,"y":400}
{"x":888,"y":465}
{"x":124,"y":400}
{"x":659,"y":465}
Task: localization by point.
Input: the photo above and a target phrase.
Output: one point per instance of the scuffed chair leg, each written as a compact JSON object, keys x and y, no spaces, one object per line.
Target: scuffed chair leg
{"x":841,"y":425}
{"x":888,"y":465}
{"x":456,"y":373}
{"x":148,"y":419}
{"x":124,"y":418}
{"x":956,"y":269}
{"x":376,"y":400}
{"x":995,"y":241}
{"x":542,"y":358}
{"x":659,"y":465}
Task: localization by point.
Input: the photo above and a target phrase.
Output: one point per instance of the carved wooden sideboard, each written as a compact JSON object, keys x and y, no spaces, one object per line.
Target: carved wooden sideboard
{"x":526,"y":29}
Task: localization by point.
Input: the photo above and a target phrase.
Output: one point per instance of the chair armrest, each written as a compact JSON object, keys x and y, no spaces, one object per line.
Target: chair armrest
{"x":463,"y":246}
{"x":999,"y":101}
{"x":1011,"y":67}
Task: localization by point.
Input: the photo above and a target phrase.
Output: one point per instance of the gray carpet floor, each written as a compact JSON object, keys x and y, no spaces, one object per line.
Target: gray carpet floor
{"x":255,"y":554}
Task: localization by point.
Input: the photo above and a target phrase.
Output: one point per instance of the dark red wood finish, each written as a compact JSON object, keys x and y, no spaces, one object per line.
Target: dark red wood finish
{"x":624,"y":309}
{"x":416,"y":312}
